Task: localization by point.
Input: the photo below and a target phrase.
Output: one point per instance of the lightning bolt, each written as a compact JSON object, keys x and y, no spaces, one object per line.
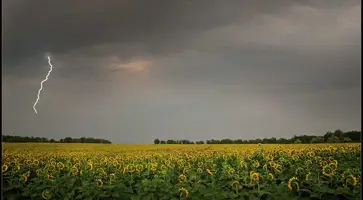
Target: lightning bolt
{"x":41,"y":84}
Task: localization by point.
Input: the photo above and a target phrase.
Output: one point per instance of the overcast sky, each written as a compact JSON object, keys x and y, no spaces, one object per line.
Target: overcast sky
{"x":131,"y":71}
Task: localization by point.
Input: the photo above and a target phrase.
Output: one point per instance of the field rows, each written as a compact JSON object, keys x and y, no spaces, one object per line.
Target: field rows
{"x":96,"y":171}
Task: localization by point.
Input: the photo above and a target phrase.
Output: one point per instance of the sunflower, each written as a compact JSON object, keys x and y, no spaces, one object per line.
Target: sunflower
{"x":235,"y":183}
{"x":255,"y":177}
{"x":243,"y":164}
{"x":17,"y":168}
{"x":272,"y":177}
{"x":256,"y":164}
{"x":293,"y":181}
{"x":351,"y":179}
{"x":310,"y":154}
{"x":295,"y":157}
{"x":60,"y":165}
{"x":99,"y":182}
{"x":112,"y":176}
{"x":90,"y":165}
{"x":74,"y":170}
{"x":167,"y":162}
{"x":49,"y":176}
{"x":4,"y":168}
{"x":36,"y":162}
{"x":328,"y":171}
{"x":185,"y":191}
{"x":180,"y":162}
{"x":299,"y":170}
{"x":182,"y":178}
{"x":46,"y":194}
{"x":334,"y":166}
{"x":131,"y":168}
{"x":307,"y":176}
{"x":231,"y":171}
{"x":25,"y":178}
{"x":139,"y":167}
{"x":277,"y":168}
{"x":308,"y":163}
{"x":323,"y":163}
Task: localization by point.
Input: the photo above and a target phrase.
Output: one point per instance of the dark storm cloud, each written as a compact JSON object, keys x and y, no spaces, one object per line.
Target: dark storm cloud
{"x":32,"y":28}
{"x":40,"y":26}
{"x":130,"y":71}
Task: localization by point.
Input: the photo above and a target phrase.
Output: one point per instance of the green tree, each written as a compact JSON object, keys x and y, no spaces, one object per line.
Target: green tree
{"x":327,"y":136}
{"x":347,"y":139}
{"x":238,"y":141}
{"x":171,"y":142}
{"x":333,"y":139}
{"x":297,"y":141}
{"x":339,"y":134}
{"x":317,"y":140}
{"x":355,"y":136}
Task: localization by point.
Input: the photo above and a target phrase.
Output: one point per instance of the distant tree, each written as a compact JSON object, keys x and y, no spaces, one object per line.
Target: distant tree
{"x":216,"y":142}
{"x":238,"y":141}
{"x":327,"y":136}
{"x":317,"y":140}
{"x":156,"y":141}
{"x":252,"y":141}
{"x":350,"y":136}
{"x":347,"y":139}
{"x":162,"y":142}
{"x":68,"y":140}
{"x":265,"y":141}
{"x":107,"y":142}
{"x":355,"y":136}
{"x":170,"y":142}
{"x":211,"y":141}
{"x":187,"y":142}
{"x":226,"y":141}
{"x":297,"y":141}
{"x":339,"y":134}
{"x":305,"y":139}
{"x":333,"y":139}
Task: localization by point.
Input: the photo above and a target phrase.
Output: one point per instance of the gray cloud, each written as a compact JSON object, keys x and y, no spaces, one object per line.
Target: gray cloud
{"x":32,"y":28}
{"x":131,"y":71}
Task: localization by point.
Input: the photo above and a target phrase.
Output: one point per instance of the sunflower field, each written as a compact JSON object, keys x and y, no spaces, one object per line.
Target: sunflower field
{"x":167,"y":172}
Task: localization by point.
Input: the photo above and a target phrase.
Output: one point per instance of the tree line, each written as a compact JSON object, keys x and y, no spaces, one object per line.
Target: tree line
{"x":10,"y":138}
{"x":337,"y":136}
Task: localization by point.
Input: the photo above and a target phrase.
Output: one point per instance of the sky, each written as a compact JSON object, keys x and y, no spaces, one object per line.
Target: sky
{"x":131,"y":71}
